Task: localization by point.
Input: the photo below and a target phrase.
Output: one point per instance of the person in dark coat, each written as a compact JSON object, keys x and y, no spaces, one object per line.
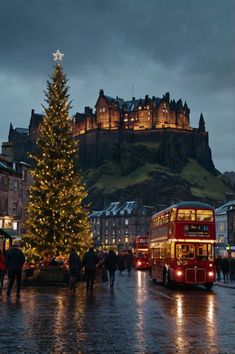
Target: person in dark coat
{"x":121,"y":263}
{"x":89,"y":262}
{"x":225,"y":268}
{"x":15,"y":260}
{"x":2,"y":269}
{"x":218,"y":262}
{"x":74,"y":269}
{"x":129,"y":262}
{"x":111,"y":262}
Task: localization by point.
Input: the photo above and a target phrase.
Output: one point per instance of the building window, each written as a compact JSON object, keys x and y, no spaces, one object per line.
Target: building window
{"x":126,"y":221}
{"x":126,"y":231}
{"x":14,"y":209}
{"x":24,"y":175}
{"x":126,"y":239}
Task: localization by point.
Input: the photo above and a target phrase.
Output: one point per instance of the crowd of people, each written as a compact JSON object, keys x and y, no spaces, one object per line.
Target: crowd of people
{"x":101,"y":266}
{"x":225,"y":267}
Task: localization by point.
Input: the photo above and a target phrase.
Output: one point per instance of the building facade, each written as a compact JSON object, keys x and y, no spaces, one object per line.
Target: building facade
{"x":14,"y":183}
{"x":119,"y":223}
{"x":223,"y":230}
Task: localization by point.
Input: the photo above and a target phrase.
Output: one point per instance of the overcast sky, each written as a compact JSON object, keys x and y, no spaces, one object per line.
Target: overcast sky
{"x":128,"y":48}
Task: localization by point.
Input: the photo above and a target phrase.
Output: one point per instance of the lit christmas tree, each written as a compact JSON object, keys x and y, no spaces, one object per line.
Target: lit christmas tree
{"x":57,"y":218}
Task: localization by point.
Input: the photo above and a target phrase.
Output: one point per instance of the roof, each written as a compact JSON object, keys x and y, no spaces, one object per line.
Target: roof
{"x":225,"y":207}
{"x":191,"y":205}
{"x":22,"y":130}
{"x":115,"y":209}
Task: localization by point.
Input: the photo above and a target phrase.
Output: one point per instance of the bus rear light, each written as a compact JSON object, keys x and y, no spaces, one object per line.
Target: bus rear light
{"x":138,"y":263}
{"x":211,"y":274}
{"x":179,"y":273}
{"x":210,"y":265}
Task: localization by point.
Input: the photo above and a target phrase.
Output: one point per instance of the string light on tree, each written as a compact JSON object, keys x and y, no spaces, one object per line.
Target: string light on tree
{"x":57,"y":217}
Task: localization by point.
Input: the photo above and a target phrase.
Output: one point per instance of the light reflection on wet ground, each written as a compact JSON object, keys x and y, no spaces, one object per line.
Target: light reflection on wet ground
{"x":136,"y":316}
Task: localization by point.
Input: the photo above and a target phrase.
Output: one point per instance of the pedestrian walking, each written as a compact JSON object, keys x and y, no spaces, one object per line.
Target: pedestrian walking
{"x":225,"y":268}
{"x":232,"y":268}
{"x":2,"y":269}
{"x":74,"y":263}
{"x":218,"y":261}
{"x":15,"y":260}
{"x":121,"y":263}
{"x":111,"y":263}
{"x":129,"y":262}
{"x":89,"y":262}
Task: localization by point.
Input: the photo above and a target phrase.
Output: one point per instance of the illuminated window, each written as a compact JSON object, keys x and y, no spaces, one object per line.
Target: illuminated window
{"x":222,"y":227}
{"x":185,"y":251}
{"x":186,"y":214}
{"x":173,"y":214}
{"x":126,"y":239}
{"x":204,"y":215}
{"x":126,"y":221}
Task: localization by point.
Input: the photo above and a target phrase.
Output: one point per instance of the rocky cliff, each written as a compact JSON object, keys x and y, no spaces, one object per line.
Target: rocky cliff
{"x":156,"y":167}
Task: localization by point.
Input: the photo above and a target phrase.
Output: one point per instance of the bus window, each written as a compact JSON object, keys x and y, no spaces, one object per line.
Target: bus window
{"x":210,"y":252}
{"x":166,"y":218}
{"x":202,"y":253}
{"x":185,"y":251}
{"x":186,"y":214}
{"x":173,"y":214}
{"x":204,"y":215}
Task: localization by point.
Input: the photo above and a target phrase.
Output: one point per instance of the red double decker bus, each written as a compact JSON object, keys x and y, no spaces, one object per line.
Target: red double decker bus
{"x":181,"y":244}
{"x":141,"y":252}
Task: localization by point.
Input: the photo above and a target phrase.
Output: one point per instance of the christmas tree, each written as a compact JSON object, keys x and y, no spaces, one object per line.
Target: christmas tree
{"x":57,"y":218}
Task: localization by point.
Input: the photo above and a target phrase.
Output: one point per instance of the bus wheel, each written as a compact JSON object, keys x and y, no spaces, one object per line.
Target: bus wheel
{"x":208,"y":286}
{"x":166,"y":278}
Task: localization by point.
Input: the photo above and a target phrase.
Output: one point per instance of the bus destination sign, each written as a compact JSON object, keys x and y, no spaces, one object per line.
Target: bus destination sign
{"x":196,"y":230}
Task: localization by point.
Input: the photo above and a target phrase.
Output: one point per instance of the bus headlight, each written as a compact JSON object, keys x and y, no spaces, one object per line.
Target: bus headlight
{"x":211,"y":274}
{"x":179,"y":273}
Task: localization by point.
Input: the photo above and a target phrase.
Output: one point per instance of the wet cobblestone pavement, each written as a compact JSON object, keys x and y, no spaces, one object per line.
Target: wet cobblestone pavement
{"x":136,"y":316}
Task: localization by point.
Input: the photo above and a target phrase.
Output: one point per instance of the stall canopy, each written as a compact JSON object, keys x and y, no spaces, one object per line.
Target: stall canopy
{"x":10,"y":233}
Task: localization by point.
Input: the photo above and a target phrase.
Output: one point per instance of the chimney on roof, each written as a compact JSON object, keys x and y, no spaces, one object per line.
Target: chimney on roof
{"x":153,"y":97}
{"x":167,"y":96}
{"x":133,"y":98}
{"x":117,"y":97}
{"x":87,"y":110}
{"x":101,"y":92}
{"x":146,"y":97}
{"x":32,"y":112}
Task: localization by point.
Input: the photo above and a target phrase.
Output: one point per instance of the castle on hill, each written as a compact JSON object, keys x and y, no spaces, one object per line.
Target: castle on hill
{"x":114,"y":119}
{"x":136,"y":114}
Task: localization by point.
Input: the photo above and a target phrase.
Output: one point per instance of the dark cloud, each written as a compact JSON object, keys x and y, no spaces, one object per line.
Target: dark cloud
{"x":124,"y":46}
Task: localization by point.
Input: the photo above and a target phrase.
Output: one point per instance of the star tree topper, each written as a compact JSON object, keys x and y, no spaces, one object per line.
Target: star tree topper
{"x":58,"y":56}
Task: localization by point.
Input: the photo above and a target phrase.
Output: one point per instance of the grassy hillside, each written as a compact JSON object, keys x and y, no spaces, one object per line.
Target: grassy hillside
{"x":203,"y":183}
{"x":108,"y":179}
